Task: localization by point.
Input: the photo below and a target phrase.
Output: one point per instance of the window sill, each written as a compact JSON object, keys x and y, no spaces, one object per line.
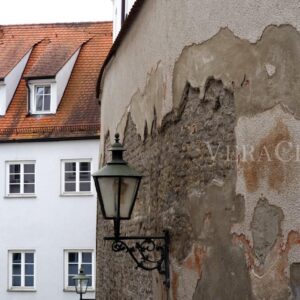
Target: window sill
{"x":42,"y":113}
{"x":21,"y":289}
{"x":20,"y":196}
{"x":76,"y":194}
{"x":72,"y":289}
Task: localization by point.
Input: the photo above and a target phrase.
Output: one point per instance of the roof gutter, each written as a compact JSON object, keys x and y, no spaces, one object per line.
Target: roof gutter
{"x":136,"y":8}
{"x":39,"y":77}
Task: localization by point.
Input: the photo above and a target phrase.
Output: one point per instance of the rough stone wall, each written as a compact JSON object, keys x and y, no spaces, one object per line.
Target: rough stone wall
{"x":187,"y":192}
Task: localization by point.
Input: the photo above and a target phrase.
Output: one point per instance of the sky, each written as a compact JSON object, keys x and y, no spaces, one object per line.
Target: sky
{"x":54,"y":11}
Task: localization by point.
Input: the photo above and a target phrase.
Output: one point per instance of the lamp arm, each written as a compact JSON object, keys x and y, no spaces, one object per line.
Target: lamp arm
{"x":145,"y":250}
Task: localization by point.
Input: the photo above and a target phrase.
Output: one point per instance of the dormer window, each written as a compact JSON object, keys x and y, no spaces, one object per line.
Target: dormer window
{"x":42,"y":95}
{"x":45,"y":91}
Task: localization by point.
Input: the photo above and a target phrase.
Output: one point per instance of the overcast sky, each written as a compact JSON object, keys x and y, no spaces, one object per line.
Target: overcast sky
{"x":53,"y":11}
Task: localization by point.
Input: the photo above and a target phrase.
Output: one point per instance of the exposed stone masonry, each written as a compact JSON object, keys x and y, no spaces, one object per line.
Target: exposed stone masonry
{"x":189,"y":193}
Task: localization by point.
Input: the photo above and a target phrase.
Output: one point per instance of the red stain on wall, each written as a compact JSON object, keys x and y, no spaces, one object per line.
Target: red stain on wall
{"x":194,"y":260}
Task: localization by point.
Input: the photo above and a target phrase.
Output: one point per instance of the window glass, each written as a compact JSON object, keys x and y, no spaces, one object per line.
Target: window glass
{"x":15,"y":168}
{"x":16,"y":269}
{"x":87,"y":257}
{"x":22,"y":269}
{"x":28,"y":168}
{"x":73,"y":257}
{"x":39,"y":103}
{"x":29,"y":258}
{"x":14,"y":189}
{"x":17,"y":258}
{"x":16,"y":281}
{"x":85,"y":186}
{"x":21,"y":178}
{"x":70,"y":187}
{"x":74,"y":261}
{"x":47,"y":90}
{"x":14,"y":178}
{"x":28,"y":188}
{"x":42,"y":98}
{"x":29,"y":281}
{"x":77,"y":176}
{"x":85,"y":166}
{"x":70,"y":166}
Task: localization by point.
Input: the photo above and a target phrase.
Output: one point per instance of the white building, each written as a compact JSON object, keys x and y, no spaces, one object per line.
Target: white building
{"x":121,"y":10}
{"x":49,"y":141}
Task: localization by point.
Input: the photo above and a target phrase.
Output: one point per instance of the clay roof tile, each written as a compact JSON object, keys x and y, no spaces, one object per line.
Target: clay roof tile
{"x":78,"y":114}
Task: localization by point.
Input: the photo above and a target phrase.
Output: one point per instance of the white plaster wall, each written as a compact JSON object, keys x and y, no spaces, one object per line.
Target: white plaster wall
{"x":161,"y":31}
{"x":11,"y":82}
{"x":48,"y":223}
{"x":2,"y":98}
{"x":63,"y":76}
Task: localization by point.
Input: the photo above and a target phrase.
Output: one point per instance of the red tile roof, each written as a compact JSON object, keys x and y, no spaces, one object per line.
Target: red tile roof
{"x":78,"y":114}
{"x":11,"y":53}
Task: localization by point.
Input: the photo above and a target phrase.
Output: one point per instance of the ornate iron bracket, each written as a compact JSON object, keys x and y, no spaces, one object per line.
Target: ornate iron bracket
{"x":149,"y":252}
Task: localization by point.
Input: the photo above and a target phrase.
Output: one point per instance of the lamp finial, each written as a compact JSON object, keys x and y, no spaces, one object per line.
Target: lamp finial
{"x":117,"y":138}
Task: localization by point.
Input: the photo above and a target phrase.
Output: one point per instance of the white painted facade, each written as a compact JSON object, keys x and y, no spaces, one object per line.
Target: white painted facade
{"x":10,"y":83}
{"x":117,"y":14}
{"x":47,"y":223}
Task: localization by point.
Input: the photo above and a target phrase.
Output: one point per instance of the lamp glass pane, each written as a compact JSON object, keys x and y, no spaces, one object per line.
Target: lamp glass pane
{"x":81,"y":285}
{"x":127,"y":197}
{"x":109,"y":192}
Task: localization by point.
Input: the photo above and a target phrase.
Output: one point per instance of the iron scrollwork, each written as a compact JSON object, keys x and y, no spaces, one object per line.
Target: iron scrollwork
{"x":149,"y":253}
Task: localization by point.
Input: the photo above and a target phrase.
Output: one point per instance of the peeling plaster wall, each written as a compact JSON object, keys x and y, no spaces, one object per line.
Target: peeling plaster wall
{"x":277,"y":182}
{"x":169,"y":58}
{"x":161,"y":32}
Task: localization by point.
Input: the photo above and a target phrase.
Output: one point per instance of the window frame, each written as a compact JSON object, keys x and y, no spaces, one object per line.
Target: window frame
{"x":77,"y":192}
{"x":10,"y":269}
{"x":35,"y":87}
{"x":22,"y":194}
{"x":68,"y":288}
{"x":32,"y":85}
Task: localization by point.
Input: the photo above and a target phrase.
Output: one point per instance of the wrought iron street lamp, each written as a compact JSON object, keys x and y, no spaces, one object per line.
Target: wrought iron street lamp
{"x":81,"y":282}
{"x":117,"y":186}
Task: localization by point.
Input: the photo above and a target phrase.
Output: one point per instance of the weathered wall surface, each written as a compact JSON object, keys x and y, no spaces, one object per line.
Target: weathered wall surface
{"x":208,"y":109}
{"x":188,"y":194}
{"x":162,"y":30}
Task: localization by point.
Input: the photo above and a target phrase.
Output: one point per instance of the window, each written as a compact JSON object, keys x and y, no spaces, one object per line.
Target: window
{"x":74,"y":259}
{"x":21,"y":178}
{"x":22,"y":270}
{"x":76,"y":176}
{"x":42,"y":96}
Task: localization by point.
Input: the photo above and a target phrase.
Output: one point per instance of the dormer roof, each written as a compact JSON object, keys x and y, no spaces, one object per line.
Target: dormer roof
{"x":12,"y":51}
{"x":54,"y":55}
{"x":53,"y":45}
